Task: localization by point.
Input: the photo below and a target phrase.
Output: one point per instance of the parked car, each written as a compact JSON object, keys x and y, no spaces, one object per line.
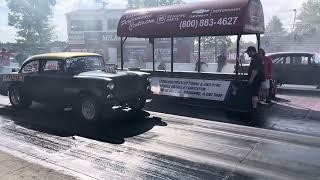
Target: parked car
{"x":9,"y":68}
{"x":295,"y":68}
{"x":78,"y":79}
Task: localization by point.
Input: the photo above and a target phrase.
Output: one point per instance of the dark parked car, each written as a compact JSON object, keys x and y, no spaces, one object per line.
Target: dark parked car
{"x":295,"y":68}
{"x":78,"y":79}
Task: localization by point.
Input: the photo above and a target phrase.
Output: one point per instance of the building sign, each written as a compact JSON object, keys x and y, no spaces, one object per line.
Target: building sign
{"x":110,"y":36}
{"x":191,"y":88}
{"x":76,"y":38}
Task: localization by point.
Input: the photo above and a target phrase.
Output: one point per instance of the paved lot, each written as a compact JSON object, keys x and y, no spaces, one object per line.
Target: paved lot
{"x":151,"y":145}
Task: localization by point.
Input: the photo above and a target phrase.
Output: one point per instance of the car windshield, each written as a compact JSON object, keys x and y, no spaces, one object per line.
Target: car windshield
{"x":84,"y":63}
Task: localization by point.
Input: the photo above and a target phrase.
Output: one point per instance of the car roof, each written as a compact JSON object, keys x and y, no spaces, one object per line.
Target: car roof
{"x":291,"y":53}
{"x":60,"y":55}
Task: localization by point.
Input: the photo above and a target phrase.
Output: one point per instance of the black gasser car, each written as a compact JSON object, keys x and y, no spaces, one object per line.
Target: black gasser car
{"x":82,"y":80}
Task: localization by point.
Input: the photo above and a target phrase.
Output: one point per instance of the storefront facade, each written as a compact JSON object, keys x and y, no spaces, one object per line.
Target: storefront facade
{"x":96,"y":31}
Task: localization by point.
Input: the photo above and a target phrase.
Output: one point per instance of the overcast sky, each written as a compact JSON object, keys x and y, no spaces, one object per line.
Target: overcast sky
{"x":281,"y":8}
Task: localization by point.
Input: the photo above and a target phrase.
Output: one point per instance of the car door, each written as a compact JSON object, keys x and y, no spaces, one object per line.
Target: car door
{"x":30,"y":71}
{"x":279,"y":69}
{"x":51,"y":78}
{"x":299,"y":69}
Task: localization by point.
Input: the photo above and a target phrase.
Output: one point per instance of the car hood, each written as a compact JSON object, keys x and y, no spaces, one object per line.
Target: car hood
{"x":110,"y":76}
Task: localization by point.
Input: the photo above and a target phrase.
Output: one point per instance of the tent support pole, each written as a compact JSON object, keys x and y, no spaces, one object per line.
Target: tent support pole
{"x":153,"y":60}
{"x":171,"y":54}
{"x":238,"y":56}
{"x":199,"y":54}
{"x":121,"y":50}
{"x":259,"y":41}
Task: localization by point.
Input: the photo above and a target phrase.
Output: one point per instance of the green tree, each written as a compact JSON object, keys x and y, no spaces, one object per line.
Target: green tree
{"x":275,"y":26}
{"x":221,"y":42}
{"x":134,"y":4}
{"x":309,"y":17}
{"x":31,"y":19}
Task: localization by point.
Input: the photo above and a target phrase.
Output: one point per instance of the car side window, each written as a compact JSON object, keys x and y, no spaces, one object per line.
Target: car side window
{"x":305,"y":60}
{"x":278,"y":60}
{"x":52,"y":66}
{"x":286,"y":60}
{"x":31,"y":67}
{"x":300,"y":60}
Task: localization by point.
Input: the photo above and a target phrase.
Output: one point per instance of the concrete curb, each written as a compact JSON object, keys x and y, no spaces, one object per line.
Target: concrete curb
{"x":299,"y":91}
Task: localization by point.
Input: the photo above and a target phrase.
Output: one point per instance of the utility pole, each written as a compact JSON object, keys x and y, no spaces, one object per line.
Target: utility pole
{"x":293,"y":28}
{"x":294,"y":20}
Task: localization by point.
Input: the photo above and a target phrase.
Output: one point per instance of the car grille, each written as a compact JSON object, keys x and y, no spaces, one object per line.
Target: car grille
{"x":128,"y":87}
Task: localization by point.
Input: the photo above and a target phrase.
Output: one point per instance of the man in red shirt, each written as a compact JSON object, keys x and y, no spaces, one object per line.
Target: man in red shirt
{"x":265,"y":86}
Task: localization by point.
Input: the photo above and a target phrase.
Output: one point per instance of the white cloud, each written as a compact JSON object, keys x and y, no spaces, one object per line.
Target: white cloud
{"x":2,"y":3}
{"x":281,"y":8}
{"x":7,"y":34}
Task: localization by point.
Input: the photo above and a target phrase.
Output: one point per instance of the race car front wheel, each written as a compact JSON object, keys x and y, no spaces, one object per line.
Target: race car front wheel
{"x":88,"y":108}
{"x":17,"y":100}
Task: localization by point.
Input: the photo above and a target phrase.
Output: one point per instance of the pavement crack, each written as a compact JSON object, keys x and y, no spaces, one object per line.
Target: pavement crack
{"x":255,"y":145}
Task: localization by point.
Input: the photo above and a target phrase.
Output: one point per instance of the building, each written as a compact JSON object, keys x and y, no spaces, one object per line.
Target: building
{"x":96,"y":31}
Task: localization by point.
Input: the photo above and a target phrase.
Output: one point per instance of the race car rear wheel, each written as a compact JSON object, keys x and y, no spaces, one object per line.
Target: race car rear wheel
{"x":17,"y":100}
{"x":88,"y":109}
{"x":138,"y":104}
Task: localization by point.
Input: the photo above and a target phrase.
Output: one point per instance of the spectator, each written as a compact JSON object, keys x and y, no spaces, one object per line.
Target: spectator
{"x":5,"y":57}
{"x":222,"y":60}
{"x":242,"y":58}
{"x":255,"y":75}
{"x":266,"y":85}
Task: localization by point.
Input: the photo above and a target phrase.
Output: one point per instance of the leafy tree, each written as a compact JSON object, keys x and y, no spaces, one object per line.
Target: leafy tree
{"x":275,"y":26}
{"x":151,"y":3}
{"x":309,"y":18}
{"x":221,"y":42}
{"x":31,"y":18}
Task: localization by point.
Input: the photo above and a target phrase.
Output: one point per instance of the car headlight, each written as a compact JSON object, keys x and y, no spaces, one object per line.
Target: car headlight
{"x":149,"y":79}
{"x":110,"y":86}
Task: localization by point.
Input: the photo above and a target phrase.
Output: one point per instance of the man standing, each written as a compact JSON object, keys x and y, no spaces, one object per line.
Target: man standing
{"x":222,"y":60}
{"x":5,"y":57}
{"x":265,"y":85}
{"x":256,"y":76}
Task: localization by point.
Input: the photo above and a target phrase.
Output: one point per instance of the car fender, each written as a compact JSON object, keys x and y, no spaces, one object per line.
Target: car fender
{"x":8,"y":80}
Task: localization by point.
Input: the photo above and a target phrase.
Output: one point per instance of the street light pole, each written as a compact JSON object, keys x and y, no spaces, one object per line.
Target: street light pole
{"x":293,"y":28}
{"x":294,"y":20}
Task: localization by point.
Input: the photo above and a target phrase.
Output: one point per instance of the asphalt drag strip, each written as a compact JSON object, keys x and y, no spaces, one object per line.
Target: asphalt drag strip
{"x":151,"y":145}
